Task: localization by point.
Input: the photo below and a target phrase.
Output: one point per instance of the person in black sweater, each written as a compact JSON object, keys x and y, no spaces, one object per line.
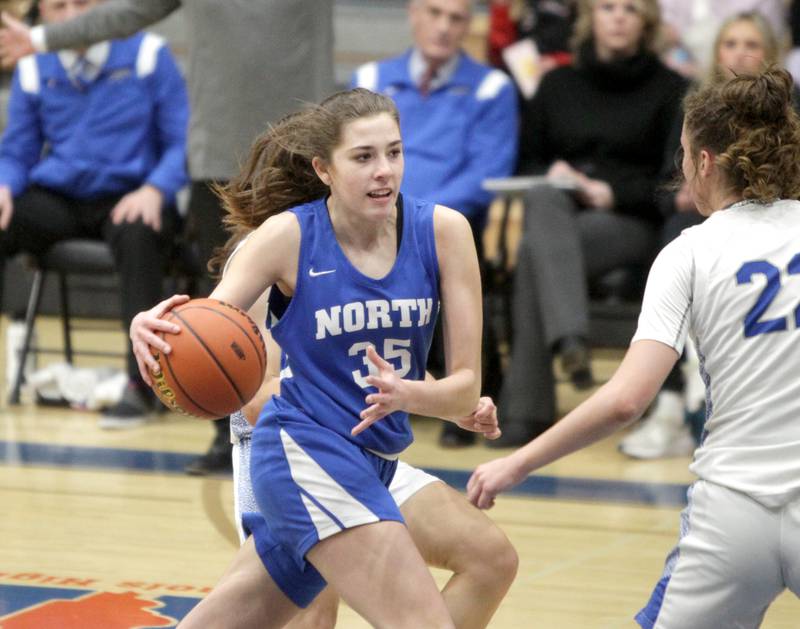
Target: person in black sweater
{"x":598,"y":129}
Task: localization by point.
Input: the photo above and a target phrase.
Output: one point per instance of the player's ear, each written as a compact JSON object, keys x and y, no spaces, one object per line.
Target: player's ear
{"x":321,"y":168}
{"x":705,"y":162}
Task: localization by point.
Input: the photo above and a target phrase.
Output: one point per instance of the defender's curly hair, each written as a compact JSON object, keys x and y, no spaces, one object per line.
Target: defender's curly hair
{"x":278,"y":174}
{"x":749,"y":123}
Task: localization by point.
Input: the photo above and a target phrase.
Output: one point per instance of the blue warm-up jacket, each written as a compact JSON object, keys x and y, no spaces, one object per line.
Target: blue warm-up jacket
{"x":454,"y":137}
{"x":108,"y":136}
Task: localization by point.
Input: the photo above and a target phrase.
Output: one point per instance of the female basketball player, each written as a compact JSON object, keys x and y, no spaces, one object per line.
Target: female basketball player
{"x":734,"y":281}
{"x":367,"y":272}
{"x":449,"y":532}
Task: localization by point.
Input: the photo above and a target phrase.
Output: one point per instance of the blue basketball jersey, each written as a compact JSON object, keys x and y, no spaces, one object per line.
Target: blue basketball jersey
{"x":336,"y":312}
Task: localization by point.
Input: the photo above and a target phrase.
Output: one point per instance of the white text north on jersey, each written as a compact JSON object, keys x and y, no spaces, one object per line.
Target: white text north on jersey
{"x":373,"y":314}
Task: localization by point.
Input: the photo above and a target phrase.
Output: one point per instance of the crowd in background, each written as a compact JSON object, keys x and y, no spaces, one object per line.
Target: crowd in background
{"x":585,"y":93}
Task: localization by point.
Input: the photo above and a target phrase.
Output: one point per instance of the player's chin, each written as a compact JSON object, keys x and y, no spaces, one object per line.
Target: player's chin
{"x":382,"y":199}
{"x":379,"y":209}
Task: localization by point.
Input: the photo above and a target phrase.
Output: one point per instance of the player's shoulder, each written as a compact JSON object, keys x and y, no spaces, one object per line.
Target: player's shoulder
{"x":449,"y":224}
{"x":678,"y":252}
{"x":282,"y":228}
{"x":447,"y":215}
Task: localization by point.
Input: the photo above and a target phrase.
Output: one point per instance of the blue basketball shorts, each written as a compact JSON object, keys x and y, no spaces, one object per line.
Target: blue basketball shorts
{"x":406,"y":482}
{"x":310,"y":483}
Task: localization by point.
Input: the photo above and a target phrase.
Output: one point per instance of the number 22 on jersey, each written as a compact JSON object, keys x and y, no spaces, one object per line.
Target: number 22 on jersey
{"x":753,"y":323}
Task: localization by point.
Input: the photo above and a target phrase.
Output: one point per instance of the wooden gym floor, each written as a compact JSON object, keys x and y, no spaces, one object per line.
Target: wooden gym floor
{"x":103,"y":530}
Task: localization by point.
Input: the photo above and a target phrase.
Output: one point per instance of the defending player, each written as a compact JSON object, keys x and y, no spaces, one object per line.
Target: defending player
{"x":734,"y":284}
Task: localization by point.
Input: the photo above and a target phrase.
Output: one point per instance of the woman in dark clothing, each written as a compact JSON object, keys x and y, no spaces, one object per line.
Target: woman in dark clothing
{"x":598,"y":129}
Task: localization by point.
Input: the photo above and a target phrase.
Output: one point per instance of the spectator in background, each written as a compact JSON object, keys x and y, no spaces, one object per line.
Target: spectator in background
{"x":95,"y":148}
{"x":744,"y":44}
{"x":458,"y":120}
{"x":690,"y":28}
{"x":250,"y":63}
{"x":598,"y":130}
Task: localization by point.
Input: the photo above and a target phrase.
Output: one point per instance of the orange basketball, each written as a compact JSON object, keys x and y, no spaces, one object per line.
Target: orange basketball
{"x":217,"y":361}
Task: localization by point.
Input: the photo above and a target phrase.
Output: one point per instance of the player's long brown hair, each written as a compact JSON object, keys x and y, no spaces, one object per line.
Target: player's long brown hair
{"x":750,"y":125}
{"x":278,"y":175}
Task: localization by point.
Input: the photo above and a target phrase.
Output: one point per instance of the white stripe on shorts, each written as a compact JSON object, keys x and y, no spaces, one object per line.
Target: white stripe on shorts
{"x":328,"y":493}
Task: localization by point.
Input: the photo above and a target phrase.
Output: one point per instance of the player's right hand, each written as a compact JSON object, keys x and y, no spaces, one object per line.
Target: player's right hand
{"x":391,"y":395}
{"x":143,"y":333}
{"x":15,"y":40}
{"x":482,"y":420}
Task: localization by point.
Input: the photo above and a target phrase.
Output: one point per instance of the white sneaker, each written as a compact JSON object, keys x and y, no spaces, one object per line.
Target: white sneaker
{"x":661,"y":435}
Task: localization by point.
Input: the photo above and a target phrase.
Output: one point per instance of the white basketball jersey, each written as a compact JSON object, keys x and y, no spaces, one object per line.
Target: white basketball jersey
{"x":734,"y":284}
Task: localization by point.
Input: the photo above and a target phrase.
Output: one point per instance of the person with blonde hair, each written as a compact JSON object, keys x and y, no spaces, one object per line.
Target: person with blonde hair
{"x":597,"y":130}
{"x":690,"y":29}
{"x":731,"y":284}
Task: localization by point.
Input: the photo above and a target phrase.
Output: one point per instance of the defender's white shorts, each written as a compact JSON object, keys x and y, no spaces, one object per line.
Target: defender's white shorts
{"x":733,"y":558}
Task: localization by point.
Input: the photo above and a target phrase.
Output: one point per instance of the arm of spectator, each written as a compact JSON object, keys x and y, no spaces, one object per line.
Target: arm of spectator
{"x":143,"y":203}
{"x":593,"y":193}
{"x":113,"y":19}
{"x":562,"y":170}
{"x":22,"y":143}
{"x":171,"y":121}
{"x":6,"y":207}
{"x":492,"y":149}
{"x":15,"y":40}
{"x":596,"y":194}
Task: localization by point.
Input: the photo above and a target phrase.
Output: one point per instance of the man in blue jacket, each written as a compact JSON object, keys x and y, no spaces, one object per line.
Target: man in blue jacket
{"x":95,"y":148}
{"x":458,"y":116}
{"x":458,"y":119}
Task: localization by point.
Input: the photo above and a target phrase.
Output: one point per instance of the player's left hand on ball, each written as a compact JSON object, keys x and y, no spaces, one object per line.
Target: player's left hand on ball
{"x":143,"y":333}
{"x":483,"y":419}
{"x":492,"y":478}
{"x":390,"y":397}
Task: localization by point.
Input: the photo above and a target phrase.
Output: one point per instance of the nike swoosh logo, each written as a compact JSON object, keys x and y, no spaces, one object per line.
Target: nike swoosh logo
{"x":314,"y":273}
